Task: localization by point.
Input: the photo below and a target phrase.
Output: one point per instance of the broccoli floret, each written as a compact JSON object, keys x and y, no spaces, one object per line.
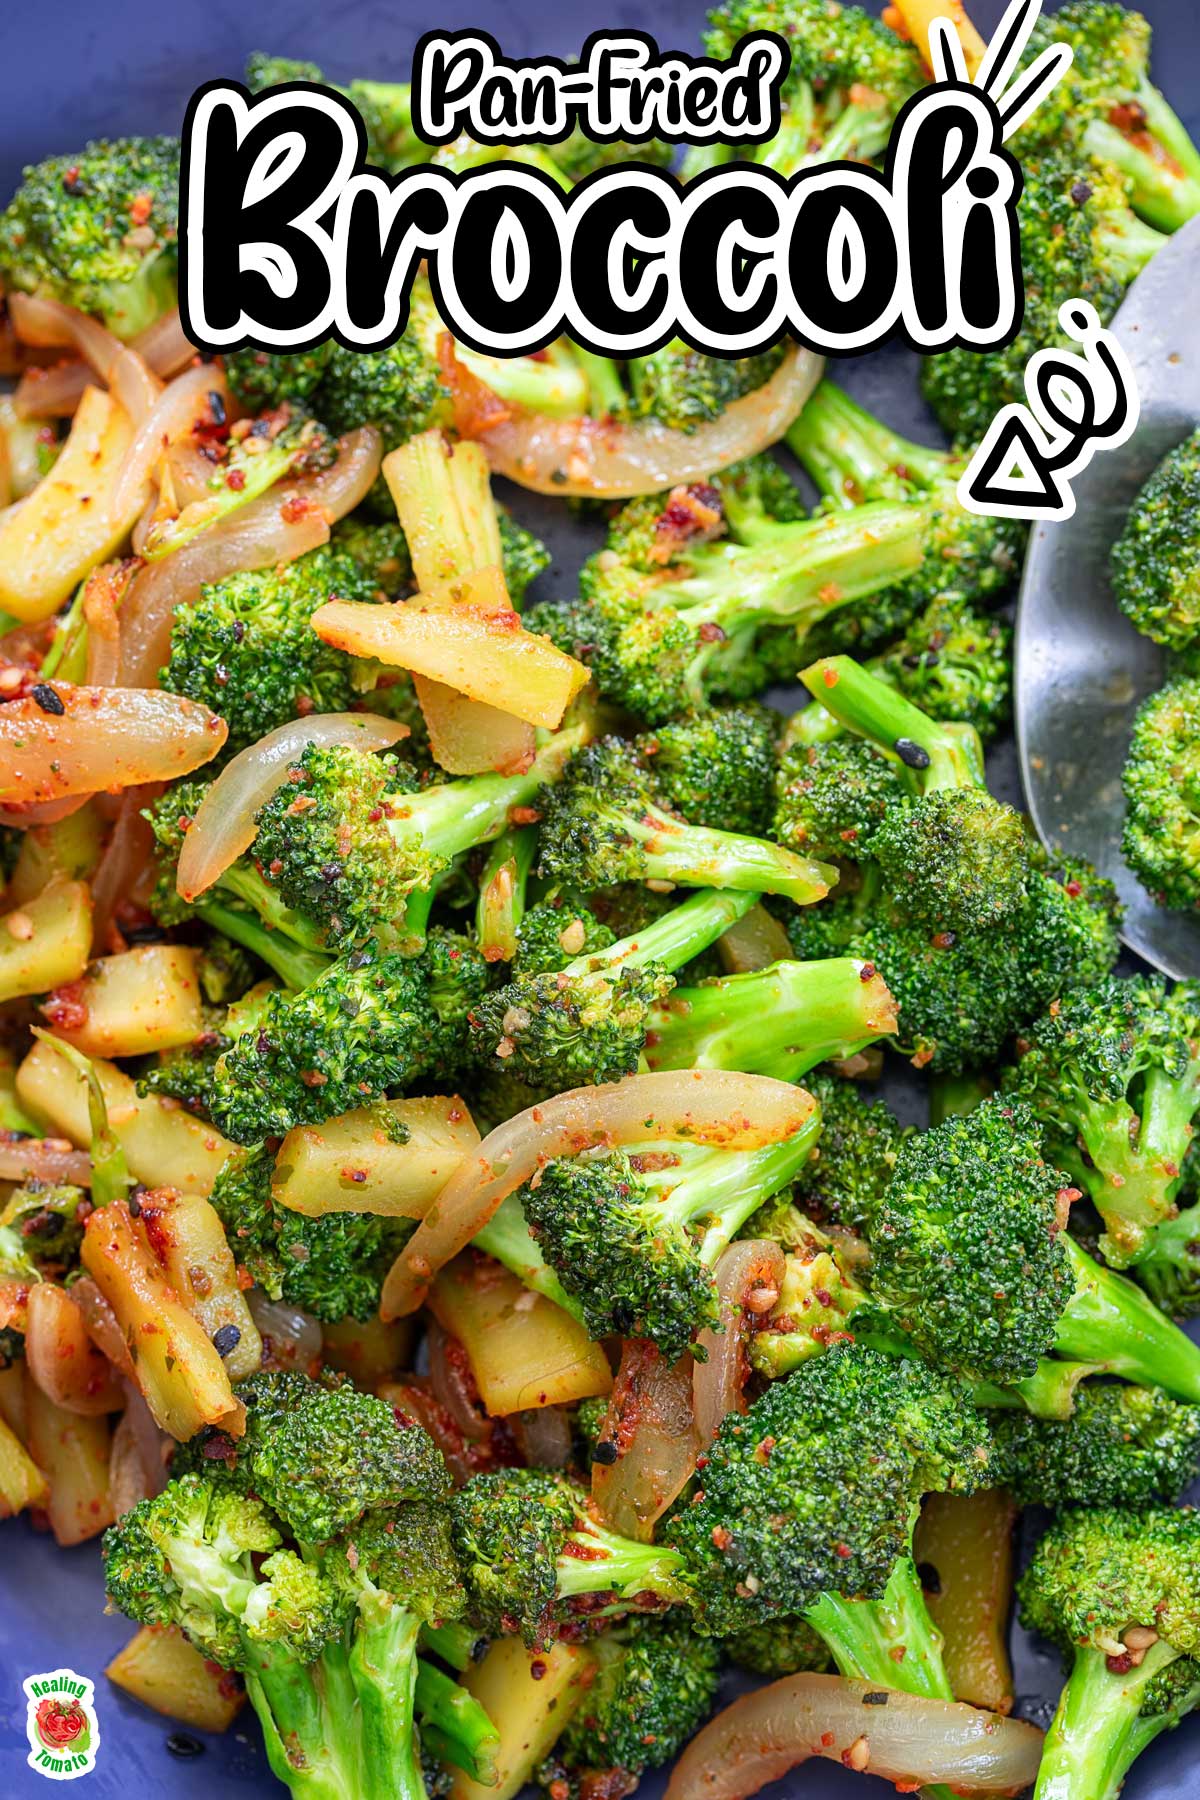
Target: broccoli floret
{"x":633,"y":1234}
{"x":370,"y":1022}
{"x":1078,"y":238}
{"x":555,"y":932}
{"x":1121,"y":1446}
{"x":717,"y":767}
{"x":41,"y":1231}
{"x":1119,"y":1593}
{"x":683,"y":389}
{"x":587,"y":1022}
{"x":187,"y":1074}
{"x":1114,"y":1074}
{"x":262,"y":379}
{"x":970,"y":1258}
{"x":247,"y":649}
{"x":332,"y":1266}
{"x":846,"y":1176}
{"x":385,"y":108}
{"x":1170,"y":1271}
{"x":1161,"y":841}
{"x":604,"y":821}
{"x":831,"y":798}
{"x":1107,"y":101}
{"x":655,"y":1684}
{"x":532,"y":1557}
{"x":848,"y":78}
{"x":954,"y":857}
{"x":818,"y":1295}
{"x":853,"y":457}
{"x":98,"y":230}
{"x":782,"y":1020}
{"x":757,"y":494}
{"x":954,"y":664}
{"x":399,"y":390}
{"x":1156,"y":559}
{"x":669,"y":617}
{"x":807,"y":1505}
{"x":780,"y":1646}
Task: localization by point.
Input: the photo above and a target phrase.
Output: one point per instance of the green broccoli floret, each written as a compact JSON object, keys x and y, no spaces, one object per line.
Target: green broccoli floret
{"x":399,"y":390}
{"x":262,"y":379}
{"x":818,"y":1296}
{"x":1170,"y":1271}
{"x":655,"y":1685}
{"x":1156,"y":559}
{"x":1119,"y":1593}
{"x":633,"y":1235}
{"x":846,"y":1176}
{"x":717,"y":767}
{"x":1120,"y":1446}
{"x":757,"y":494}
{"x":385,"y":107}
{"x":849,"y":77}
{"x":40,"y":1232}
{"x":1161,"y":841}
{"x":853,"y":458}
{"x":332,"y":1266}
{"x":955,"y":858}
{"x":1113,"y":1072}
{"x":532,"y":1557}
{"x":1107,"y":102}
{"x":807,"y":1504}
{"x":831,"y":798}
{"x":604,"y":821}
{"x":557,"y":931}
{"x":247,"y":649}
{"x":671,"y":616}
{"x":954,"y":664}
{"x":587,"y":1022}
{"x":780,"y":1646}
{"x":683,"y":389}
{"x":1078,"y":238}
{"x":98,"y":230}
{"x":782,"y":1020}
{"x":970,"y":1258}
{"x":187,"y":1074}
{"x":372,"y":1021}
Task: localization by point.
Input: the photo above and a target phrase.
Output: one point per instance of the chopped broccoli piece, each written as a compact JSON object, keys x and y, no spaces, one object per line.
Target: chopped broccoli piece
{"x":1161,"y":841}
{"x":1120,"y":1446}
{"x":717,"y":767}
{"x":1156,"y":559}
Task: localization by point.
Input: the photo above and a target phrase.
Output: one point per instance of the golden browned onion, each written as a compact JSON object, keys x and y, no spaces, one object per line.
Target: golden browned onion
{"x":650,"y":1425}
{"x":752,"y":1267}
{"x":104,"y":737}
{"x":608,"y":459}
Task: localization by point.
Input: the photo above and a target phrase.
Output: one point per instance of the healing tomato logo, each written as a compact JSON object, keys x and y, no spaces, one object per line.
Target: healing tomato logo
{"x":59,"y":1722}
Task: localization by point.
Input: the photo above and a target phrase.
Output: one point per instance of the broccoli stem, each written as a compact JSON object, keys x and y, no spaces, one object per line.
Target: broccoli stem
{"x":455,"y":816}
{"x":695,"y":856}
{"x":295,"y":967}
{"x":383,"y":1670}
{"x":789,"y":150}
{"x":606,"y":394}
{"x":1133,"y":1164}
{"x":954,"y":1096}
{"x":1171,"y":1269}
{"x":458,"y":1644}
{"x":672,"y":939}
{"x":1049,"y":1393}
{"x":941,"y":756}
{"x":779,"y":1021}
{"x":862,"y":1636}
{"x":1098,"y":1729}
{"x":595,"y":1561}
{"x":468,"y":1738}
{"x":502,"y":886}
{"x":721,"y":1190}
{"x":851,"y":455}
{"x":506,"y":1237}
{"x":307,"y":1713}
{"x":1164,"y":190}
{"x":1110,"y":1320}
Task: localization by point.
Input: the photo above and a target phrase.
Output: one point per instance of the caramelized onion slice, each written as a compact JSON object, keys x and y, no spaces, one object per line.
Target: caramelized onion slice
{"x":48,"y":322}
{"x":43,"y":1159}
{"x":707,"y":1106}
{"x":608,"y":459}
{"x":649,"y":1424}
{"x":905,"y":1739}
{"x":172,"y":416}
{"x":276,"y":528}
{"x":103,"y":738}
{"x":224,"y":823}
{"x":749,"y":1270}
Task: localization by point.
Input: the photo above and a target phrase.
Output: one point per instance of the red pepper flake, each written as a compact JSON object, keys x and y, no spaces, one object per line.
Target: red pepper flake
{"x":293,"y":509}
{"x":66,"y":1008}
{"x":843,"y":1550}
{"x":721,"y":1537}
{"x":236,"y":480}
{"x":829,"y":677}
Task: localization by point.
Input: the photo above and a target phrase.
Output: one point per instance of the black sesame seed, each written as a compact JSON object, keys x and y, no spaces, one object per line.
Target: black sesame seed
{"x":929,"y":1578}
{"x":879,"y":1698}
{"x":184,"y":1745}
{"x":47,"y":699}
{"x":216,"y":406}
{"x":910,"y":754}
{"x":605,"y":1452}
{"x":226,"y":1339}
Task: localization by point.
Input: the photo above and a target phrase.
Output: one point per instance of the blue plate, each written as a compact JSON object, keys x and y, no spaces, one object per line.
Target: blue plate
{"x":76,"y":71}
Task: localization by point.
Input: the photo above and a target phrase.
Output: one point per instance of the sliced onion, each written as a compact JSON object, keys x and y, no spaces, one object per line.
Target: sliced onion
{"x":125,"y":871}
{"x":43,"y":1159}
{"x":291,"y":1338}
{"x":54,"y":392}
{"x":47,"y":812}
{"x":163,"y":344}
{"x":133,"y":1472}
{"x":172,"y":416}
{"x":543,"y":1435}
{"x":649,"y":1423}
{"x":449,"y":1379}
{"x":105,"y":738}
{"x":276,"y":528}
{"x":224,"y":823}
{"x":749,"y":1267}
{"x":102,"y":594}
{"x":707,"y":1106}
{"x":607,"y":459}
{"x":50,"y":322}
{"x":191,"y":471}
{"x":101,"y":1323}
{"x":906,"y":1740}
{"x":62,"y":1357}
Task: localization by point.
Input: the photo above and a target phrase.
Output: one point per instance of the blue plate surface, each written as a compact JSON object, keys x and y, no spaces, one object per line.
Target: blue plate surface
{"x":73,"y":70}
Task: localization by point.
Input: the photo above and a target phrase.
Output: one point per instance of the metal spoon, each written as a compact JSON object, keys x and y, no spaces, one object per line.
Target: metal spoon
{"x":1081,"y":668}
